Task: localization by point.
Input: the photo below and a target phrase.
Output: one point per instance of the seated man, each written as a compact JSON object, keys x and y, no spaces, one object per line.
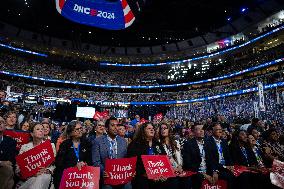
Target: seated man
{"x":196,"y":158}
{"x":109,"y":146}
{"x":7,"y":158}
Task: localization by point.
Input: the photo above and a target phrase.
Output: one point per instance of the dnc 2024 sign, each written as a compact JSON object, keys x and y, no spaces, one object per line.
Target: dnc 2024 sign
{"x":106,"y":14}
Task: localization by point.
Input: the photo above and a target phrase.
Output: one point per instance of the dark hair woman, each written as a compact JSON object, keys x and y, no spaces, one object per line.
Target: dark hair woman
{"x":144,"y":143}
{"x":75,"y":151}
{"x":173,"y":149}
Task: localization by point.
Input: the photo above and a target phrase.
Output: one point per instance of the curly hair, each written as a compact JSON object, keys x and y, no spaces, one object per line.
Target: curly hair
{"x":140,"y":135}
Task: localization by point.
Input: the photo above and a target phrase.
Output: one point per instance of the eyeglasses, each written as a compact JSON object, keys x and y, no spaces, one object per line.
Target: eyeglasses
{"x":150,"y":129}
{"x":78,"y":129}
{"x":101,"y":125}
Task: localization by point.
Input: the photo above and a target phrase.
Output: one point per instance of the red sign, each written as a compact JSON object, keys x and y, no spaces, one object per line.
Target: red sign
{"x":186,"y":174}
{"x":221,"y":184}
{"x":21,"y":137}
{"x":86,"y":178}
{"x":120,"y":171}
{"x":158,"y":116}
{"x":98,"y":115}
{"x":31,"y":161}
{"x":157,"y":166}
{"x":238,"y":170}
{"x":277,"y":176}
{"x":101,"y":115}
{"x":105,"y":114}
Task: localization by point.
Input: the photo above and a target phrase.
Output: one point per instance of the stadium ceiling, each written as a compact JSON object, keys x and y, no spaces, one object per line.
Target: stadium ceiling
{"x":160,"y":21}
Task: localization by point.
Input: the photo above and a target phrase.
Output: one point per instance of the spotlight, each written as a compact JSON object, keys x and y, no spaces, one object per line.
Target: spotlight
{"x":244,"y":10}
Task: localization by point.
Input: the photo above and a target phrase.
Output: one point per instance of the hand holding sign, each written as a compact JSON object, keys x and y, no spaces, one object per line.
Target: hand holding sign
{"x":21,"y":137}
{"x":157,"y":166}
{"x":86,"y":178}
{"x":119,"y":171}
{"x":34,"y":160}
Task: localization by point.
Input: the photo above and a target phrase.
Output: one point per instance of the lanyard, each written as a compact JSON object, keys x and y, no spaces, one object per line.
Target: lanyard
{"x":258,"y":157}
{"x":151,"y":151}
{"x":220,"y":150}
{"x":245,"y":153}
{"x":77,"y":151}
{"x":112,"y":149}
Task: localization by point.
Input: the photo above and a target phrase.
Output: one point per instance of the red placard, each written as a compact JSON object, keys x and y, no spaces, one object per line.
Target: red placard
{"x":238,"y":170}
{"x":31,"y":161}
{"x":86,"y":178}
{"x":157,"y":166}
{"x":186,"y":174}
{"x":277,"y":174}
{"x":21,"y":137}
{"x":221,"y":184}
{"x":120,"y":171}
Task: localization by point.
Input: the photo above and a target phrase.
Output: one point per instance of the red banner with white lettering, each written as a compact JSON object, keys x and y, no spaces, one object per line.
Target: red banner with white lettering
{"x":86,"y":178}
{"x":31,"y":161}
{"x":158,"y":116}
{"x":277,"y":174}
{"x":157,"y":166}
{"x":21,"y":137}
{"x":221,"y":184}
{"x":101,"y":115}
{"x":120,"y":171}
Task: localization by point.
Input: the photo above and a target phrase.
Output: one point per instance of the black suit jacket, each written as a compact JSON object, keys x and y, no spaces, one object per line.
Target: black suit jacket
{"x":136,"y":148}
{"x":66,"y":157}
{"x":8,"y":149}
{"x":239,"y":158}
{"x":214,"y":155}
{"x":192,"y":158}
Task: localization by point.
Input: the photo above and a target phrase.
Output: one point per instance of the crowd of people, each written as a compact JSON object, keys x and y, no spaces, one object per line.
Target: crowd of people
{"x":267,"y":76}
{"x":204,"y":141}
{"x":210,"y":148}
{"x":28,"y":67}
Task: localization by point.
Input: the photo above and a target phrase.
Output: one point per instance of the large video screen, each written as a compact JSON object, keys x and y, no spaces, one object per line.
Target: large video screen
{"x":85,"y":112}
{"x":106,"y":14}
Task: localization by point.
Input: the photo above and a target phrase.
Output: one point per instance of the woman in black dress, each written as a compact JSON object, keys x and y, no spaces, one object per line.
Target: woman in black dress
{"x":144,"y":143}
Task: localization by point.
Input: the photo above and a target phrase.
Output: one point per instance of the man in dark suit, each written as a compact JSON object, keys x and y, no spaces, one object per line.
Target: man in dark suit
{"x":110,"y":146}
{"x":7,"y":158}
{"x":196,"y":158}
{"x":219,"y":154}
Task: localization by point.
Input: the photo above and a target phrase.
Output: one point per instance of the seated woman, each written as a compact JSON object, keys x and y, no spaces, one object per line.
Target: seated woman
{"x":25,"y":125}
{"x":144,"y":143}
{"x":75,"y":151}
{"x":262,"y":176}
{"x":271,"y":146}
{"x":173,"y":150}
{"x":97,"y":131}
{"x":43,"y":178}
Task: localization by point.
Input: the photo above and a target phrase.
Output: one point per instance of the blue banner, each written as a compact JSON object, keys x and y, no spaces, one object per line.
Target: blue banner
{"x":112,"y":15}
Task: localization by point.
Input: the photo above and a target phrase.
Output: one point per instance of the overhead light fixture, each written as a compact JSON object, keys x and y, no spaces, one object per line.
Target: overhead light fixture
{"x":244,"y":9}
